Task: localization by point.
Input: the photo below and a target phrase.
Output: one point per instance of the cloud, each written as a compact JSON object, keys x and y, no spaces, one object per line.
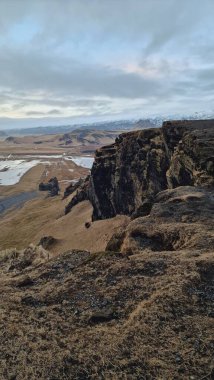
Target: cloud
{"x":77,"y":58}
{"x":56,"y":75}
{"x":40,"y":113}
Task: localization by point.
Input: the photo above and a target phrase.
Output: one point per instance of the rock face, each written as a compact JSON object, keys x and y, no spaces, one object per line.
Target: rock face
{"x":180,"y":219}
{"x":52,"y":186}
{"x":80,"y":196}
{"x":73,"y":187}
{"x":140,"y":164}
{"x":190,"y":148}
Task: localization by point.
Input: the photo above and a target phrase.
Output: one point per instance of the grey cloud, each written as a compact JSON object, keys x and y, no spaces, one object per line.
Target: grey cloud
{"x":40,"y":113}
{"x":53,"y":112}
{"x":63,"y":82}
{"x":155,"y":22}
{"x":77,"y":56}
{"x":55,"y":75}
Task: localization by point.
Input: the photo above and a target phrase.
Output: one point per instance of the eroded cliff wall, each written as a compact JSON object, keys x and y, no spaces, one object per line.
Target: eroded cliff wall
{"x":127,"y":172}
{"x":142,"y":163}
{"x":127,"y":175}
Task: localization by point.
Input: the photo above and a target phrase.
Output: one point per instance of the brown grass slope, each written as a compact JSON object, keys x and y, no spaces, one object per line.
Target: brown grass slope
{"x":76,"y":142}
{"x":144,"y":312}
{"x":45,"y":216}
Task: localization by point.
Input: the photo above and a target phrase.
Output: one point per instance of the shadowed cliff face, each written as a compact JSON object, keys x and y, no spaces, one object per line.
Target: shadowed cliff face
{"x":142,"y":163}
{"x":126,"y":172}
{"x":190,"y":148}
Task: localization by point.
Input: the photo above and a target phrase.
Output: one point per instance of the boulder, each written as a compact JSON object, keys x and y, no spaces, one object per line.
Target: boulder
{"x":102,"y":316}
{"x":87,"y":224}
{"x":72,"y":187}
{"x":47,"y":241}
{"x":52,"y":186}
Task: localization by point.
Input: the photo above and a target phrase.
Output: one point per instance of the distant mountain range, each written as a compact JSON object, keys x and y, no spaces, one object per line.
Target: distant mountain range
{"x":49,"y":130}
{"x":105,"y":126}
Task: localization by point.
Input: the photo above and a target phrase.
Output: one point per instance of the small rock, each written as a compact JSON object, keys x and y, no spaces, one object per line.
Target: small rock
{"x":12,"y":377}
{"x":103,"y":316}
{"x":143,"y":210}
{"x":26,"y":281}
{"x":178,"y":359}
{"x":47,"y":241}
{"x":65,"y":302}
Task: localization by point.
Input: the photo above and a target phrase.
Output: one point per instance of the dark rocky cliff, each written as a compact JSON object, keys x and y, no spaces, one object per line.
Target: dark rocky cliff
{"x":128,"y":174}
{"x":142,"y":163}
{"x":190,"y":148}
{"x":125,"y":173}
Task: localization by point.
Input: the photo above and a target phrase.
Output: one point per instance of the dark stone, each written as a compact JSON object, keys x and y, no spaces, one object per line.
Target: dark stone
{"x":115,"y":242}
{"x":80,"y":196}
{"x":72,"y":187}
{"x":30,"y":301}
{"x":12,"y":377}
{"x":87,"y":224}
{"x":103,"y":316}
{"x":10,"y":139}
{"x":143,"y":210}
{"x":47,"y":241}
{"x":20,"y":264}
{"x":52,"y":187}
{"x":26,"y":281}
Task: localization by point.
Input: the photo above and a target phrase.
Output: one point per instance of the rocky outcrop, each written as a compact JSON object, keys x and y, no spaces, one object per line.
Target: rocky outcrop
{"x":80,"y":196}
{"x":140,"y":164}
{"x":10,"y":139}
{"x":70,"y":189}
{"x":127,"y":175}
{"x":47,"y":242}
{"x":190,"y":148}
{"x":52,"y":186}
{"x":181,"y":218}
{"x":66,"y":138}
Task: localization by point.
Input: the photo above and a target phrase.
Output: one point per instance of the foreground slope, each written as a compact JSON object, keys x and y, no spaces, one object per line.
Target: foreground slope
{"x":146,"y":312}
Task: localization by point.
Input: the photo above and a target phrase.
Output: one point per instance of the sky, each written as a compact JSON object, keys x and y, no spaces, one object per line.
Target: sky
{"x":69,"y":61}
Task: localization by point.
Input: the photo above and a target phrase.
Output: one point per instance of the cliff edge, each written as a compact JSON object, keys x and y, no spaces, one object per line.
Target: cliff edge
{"x":142,"y":163}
